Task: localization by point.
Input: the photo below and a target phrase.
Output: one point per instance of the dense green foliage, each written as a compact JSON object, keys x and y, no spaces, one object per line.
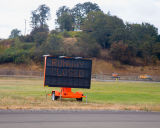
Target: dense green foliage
{"x":72,"y":19}
{"x":92,"y":31}
{"x":65,"y":19}
{"x":40,"y":16}
{"x":124,"y":41}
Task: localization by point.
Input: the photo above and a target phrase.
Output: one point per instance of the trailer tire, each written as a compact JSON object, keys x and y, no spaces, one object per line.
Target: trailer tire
{"x":79,"y":99}
{"x":56,"y":97}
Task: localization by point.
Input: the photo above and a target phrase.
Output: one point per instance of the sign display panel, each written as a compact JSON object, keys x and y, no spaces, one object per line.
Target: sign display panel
{"x":67,"y":72}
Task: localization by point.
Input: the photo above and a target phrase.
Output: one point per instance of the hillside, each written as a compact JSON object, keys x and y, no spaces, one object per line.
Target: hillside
{"x":100,"y":66}
{"x":117,"y":45}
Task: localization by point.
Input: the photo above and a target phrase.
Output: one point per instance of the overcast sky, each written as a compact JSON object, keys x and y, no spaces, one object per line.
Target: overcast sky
{"x":14,"y":12}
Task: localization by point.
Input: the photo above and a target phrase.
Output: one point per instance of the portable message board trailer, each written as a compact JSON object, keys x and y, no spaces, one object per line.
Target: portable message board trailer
{"x":67,"y":73}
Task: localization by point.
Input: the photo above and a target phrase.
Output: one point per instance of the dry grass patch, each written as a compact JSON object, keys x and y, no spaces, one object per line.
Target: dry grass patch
{"x":30,"y":94}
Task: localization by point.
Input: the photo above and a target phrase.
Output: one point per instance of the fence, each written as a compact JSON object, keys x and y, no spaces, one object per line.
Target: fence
{"x":107,"y":77}
{"x":20,"y":73}
{"x":99,"y":77}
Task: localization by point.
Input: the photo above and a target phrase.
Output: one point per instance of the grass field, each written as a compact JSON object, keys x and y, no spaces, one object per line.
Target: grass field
{"x":30,"y":94}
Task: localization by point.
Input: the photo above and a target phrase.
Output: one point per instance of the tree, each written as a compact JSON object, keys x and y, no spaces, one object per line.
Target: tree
{"x":158,"y":38}
{"x":15,"y":33}
{"x":80,"y":11}
{"x":64,"y":19}
{"x":75,"y":16}
{"x":65,"y":22}
{"x":142,"y":37}
{"x":38,"y":22}
{"x":88,"y":7}
{"x":156,"y":50}
{"x":101,"y":27}
{"x":62,"y":10}
{"x":119,"y":34}
{"x":40,"y":16}
{"x":34,"y":19}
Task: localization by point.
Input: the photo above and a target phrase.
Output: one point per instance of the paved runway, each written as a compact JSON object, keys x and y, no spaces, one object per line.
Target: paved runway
{"x":78,"y":119}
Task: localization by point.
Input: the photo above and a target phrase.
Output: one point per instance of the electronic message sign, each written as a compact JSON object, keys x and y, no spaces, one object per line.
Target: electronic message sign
{"x":67,"y":72}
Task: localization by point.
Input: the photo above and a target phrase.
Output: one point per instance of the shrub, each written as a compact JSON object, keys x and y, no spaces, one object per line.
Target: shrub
{"x":53,"y":45}
{"x":87,"y":47}
{"x":75,"y":33}
{"x":40,"y":37}
{"x":14,"y":55}
{"x":27,"y":38}
{"x":66,"y":34}
{"x":122,"y":52}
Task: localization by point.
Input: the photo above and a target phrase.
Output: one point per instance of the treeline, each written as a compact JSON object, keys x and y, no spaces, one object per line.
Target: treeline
{"x":97,"y":34}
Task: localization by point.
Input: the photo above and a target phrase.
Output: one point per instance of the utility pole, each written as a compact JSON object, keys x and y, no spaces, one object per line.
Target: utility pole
{"x":25,"y":27}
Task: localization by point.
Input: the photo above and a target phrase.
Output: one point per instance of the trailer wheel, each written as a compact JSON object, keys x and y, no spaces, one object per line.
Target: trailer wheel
{"x":79,"y":99}
{"x":53,"y":96}
{"x":56,"y":97}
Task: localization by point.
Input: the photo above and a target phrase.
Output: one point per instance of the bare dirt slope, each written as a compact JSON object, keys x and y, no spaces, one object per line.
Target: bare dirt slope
{"x":104,"y":67}
{"x":99,"y":67}
{"x":24,"y":67}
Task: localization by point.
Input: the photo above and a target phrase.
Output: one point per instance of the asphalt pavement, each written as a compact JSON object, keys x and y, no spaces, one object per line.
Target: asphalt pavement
{"x":78,"y":119}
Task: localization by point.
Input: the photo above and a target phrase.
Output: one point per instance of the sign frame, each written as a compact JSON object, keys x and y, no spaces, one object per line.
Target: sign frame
{"x":70,"y":72}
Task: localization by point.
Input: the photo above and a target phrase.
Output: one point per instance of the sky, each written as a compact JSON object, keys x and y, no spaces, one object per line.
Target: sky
{"x":13,"y":13}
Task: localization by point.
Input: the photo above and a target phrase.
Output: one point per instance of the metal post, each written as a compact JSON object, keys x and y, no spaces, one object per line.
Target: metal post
{"x":61,"y":95}
{"x":86,"y":98}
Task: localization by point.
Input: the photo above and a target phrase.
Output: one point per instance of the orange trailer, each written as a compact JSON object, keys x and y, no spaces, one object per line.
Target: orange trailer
{"x":67,"y":93}
{"x":67,"y":73}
